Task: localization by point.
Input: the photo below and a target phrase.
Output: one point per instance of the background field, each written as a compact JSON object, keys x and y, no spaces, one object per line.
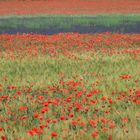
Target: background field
{"x":53,"y":16}
{"x":28,"y":7}
{"x":52,"y":24}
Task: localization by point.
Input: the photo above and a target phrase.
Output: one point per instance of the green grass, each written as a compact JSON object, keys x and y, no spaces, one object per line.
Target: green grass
{"x":66,"y":22}
{"x":44,"y":70}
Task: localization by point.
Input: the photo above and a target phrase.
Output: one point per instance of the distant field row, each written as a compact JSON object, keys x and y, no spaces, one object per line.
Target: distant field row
{"x":63,"y":23}
{"x":28,"y":7}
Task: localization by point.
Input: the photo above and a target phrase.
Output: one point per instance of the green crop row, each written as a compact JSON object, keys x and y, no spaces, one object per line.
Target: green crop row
{"x":66,"y":22}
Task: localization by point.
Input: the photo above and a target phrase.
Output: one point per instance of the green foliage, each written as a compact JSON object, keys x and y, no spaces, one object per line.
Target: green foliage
{"x":66,"y":22}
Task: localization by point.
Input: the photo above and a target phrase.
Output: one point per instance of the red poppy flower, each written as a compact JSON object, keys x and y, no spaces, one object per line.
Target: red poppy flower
{"x":62,"y":117}
{"x":93,"y":122}
{"x":36,"y":115}
{"x":94,"y":134}
{"x":3,"y":137}
{"x":53,"y":134}
{"x":74,"y":123}
{"x":125,"y":119}
{"x":1,"y":128}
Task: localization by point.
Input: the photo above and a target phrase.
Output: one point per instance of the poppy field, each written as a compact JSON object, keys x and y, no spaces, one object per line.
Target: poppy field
{"x":69,"y":70}
{"x":68,"y":7}
{"x":70,"y":86}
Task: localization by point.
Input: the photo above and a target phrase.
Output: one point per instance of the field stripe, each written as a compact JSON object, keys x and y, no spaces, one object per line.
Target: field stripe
{"x":69,"y":7}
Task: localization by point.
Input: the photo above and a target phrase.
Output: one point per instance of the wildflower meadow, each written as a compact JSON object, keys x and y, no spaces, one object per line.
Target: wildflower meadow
{"x":69,"y":85}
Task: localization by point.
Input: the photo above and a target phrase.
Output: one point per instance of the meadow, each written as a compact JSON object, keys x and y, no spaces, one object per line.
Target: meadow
{"x":70,"y":86}
{"x":69,"y":70}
